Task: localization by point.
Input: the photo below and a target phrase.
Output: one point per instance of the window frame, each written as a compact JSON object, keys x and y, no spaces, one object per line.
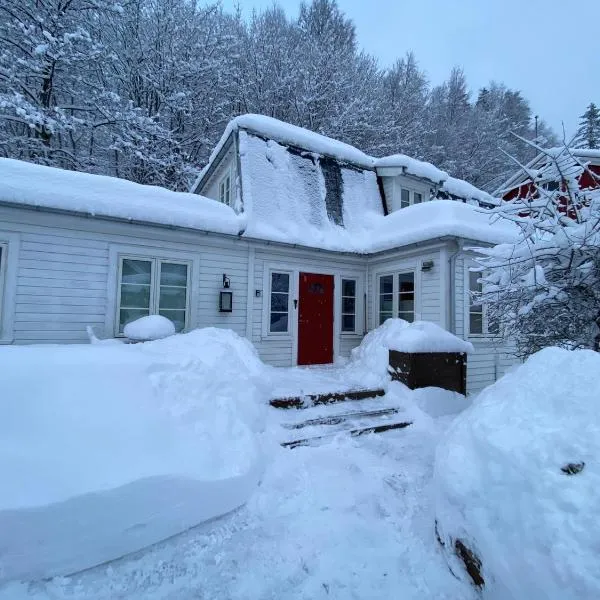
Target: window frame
{"x":411,"y":196}
{"x":226,"y":178}
{"x":155,"y":269}
{"x":394,"y":274}
{"x":3,"y":269}
{"x":288,"y":332}
{"x":485,"y":332}
{"x":356,"y":306}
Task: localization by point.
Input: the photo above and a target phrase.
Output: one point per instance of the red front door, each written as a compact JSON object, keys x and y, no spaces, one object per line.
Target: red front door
{"x":315,"y":319}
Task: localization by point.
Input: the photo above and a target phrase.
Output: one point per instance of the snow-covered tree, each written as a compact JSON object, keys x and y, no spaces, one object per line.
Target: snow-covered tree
{"x":588,"y":132}
{"x":544,"y":289}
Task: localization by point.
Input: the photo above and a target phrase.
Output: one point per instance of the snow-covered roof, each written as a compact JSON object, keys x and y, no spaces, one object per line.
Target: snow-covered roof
{"x":291,"y":195}
{"x":308,"y":141}
{"x":28,"y":184}
{"x":412,"y":166}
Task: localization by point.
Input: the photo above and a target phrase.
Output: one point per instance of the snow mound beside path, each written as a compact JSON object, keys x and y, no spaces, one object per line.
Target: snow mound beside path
{"x":517,"y":480}
{"x":107,"y":449}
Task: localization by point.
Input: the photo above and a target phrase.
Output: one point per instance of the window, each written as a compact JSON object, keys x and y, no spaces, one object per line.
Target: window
{"x":153,"y":286}
{"x":279,"y":303}
{"x":479,"y":324}
{"x":3,"y":259}
{"x":404,"y":198}
{"x":397,"y":296}
{"x":408,"y":197}
{"x":386,"y":298}
{"x":348,"y":305}
{"x":406,"y":296}
{"x":225,"y":190}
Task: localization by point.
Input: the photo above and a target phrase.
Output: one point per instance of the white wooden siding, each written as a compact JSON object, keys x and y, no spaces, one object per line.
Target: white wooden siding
{"x":227,"y":164}
{"x":66,"y":278}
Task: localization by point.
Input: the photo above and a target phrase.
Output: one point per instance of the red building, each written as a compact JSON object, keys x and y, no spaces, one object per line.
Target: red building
{"x":547,"y":169}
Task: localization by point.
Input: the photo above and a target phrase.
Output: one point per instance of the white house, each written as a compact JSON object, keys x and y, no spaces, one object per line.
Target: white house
{"x":312,"y":241}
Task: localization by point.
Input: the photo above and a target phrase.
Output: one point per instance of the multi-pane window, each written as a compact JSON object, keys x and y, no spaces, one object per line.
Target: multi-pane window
{"x":225,"y":190}
{"x":279,"y":303}
{"x":386,"y":298}
{"x":406,"y":296}
{"x":404,"y":198}
{"x":153,"y":286}
{"x":479,"y":322}
{"x":408,"y":197}
{"x":348,"y":305}
{"x":397,"y":296}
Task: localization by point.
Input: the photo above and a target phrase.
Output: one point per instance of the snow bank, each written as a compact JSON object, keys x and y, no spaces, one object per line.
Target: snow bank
{"x":152,"y":327}
{"x":503,"y":485}
{"x":96,"y":195}
{"x":400,"y":335}
{"x":111,"y":448}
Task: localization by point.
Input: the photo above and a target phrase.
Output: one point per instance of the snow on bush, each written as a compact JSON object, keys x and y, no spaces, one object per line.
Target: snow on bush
{"x":400,"y":335}
{"x":517,"y":480}
{"x":105,"y":449}
{"x":152,"y":327}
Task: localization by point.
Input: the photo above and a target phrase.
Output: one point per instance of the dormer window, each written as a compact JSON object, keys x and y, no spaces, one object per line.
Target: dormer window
{"x":408,"y":197}
{"x":225,"y":189}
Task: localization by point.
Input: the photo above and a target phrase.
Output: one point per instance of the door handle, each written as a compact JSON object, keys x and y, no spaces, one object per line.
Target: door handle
{"x":295,"y":303}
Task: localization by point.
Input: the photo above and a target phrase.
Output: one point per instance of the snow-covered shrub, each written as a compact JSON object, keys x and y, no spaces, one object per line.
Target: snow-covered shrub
{"x":517,"y":480}
{"x":110,"y":448}
{"x":152,"y":327}
{"x":544,"y":289}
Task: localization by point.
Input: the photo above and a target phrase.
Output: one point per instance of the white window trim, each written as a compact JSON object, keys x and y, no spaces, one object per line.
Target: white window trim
{"x":116,"y":252}
{"x":394,"y":272}
{"x":411,"y":195}
{"x":10,"y":243}
{"x":226,"y":175}
{"x":358,"y":310}
{"x":154,"y":286}
{"x":291,"y":294}
{"x":467,"y":312}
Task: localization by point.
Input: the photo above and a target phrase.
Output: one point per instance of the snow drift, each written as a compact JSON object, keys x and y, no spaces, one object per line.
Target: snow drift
{"x":110,"y":448}
{"x":517,"y":479}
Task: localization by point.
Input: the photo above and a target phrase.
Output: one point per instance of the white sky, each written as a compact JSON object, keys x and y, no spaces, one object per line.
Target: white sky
{"x":548,"y":49}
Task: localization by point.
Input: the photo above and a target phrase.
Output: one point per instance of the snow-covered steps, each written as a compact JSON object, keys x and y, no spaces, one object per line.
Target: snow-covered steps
{"x":353,"y":432}
{"x":321,"y":423}
{"x":309,"y":400}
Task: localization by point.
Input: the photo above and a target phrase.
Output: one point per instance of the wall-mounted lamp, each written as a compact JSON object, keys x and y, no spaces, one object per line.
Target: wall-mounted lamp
{"x":226,"y":282}
{"x":225,"y":301}
{"x":427,"y":265}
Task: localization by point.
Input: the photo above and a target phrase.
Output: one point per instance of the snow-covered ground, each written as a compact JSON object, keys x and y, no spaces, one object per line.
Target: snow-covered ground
{"x":352,"y":518}
{"x":112,"y":447}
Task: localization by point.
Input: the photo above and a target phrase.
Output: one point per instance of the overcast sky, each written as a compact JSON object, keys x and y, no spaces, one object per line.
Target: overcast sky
{"x":548,"y":49}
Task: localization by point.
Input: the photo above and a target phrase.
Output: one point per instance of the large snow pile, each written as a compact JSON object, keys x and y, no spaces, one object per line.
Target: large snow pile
{"x":152,"y":327}
{"x":27,"y":184}
{"x":517,"y":480}
{"x":396,"y":334}
{"x":105,"y":449}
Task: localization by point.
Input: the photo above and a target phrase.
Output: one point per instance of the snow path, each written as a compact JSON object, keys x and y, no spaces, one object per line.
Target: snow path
{"x":349,"y":519}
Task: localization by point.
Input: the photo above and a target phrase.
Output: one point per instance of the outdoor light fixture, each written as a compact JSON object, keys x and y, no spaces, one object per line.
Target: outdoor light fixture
{"x":427,"y":265}
{"x":225,"y":301}
{"x":226,"y":297}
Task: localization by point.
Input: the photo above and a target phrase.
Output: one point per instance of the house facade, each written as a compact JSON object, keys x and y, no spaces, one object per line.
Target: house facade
{"x":314,"y":242}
